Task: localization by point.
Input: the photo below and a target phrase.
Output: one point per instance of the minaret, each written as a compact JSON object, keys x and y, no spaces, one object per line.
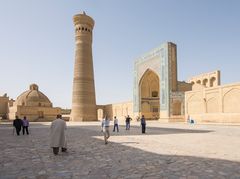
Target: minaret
{"x":83,"y":96}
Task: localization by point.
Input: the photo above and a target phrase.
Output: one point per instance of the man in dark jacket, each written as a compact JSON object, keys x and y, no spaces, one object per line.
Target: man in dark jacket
{"x":128,"y":119}
{"x":143,"y":123}
{"x":17,"y":123}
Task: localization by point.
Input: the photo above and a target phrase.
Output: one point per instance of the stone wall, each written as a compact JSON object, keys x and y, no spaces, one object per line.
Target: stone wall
{"x":118,"y":109}
{"x":4,"y":106}
{"x":34,"y":113}
{"x":217,"y":104}
{"x":183,"y":86}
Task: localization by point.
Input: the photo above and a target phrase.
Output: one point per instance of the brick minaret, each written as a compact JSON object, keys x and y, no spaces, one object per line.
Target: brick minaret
{"x":83,"y":95}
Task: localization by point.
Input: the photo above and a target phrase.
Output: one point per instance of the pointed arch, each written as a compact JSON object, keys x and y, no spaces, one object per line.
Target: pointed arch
{"x":195,"y":105}
{"x":212,"y":82}
{"x":149,"y":89}
{"x":231,"y":101}
{"x":205,"y":82}
{"x":149,"y":83}
{"x":212,"y":105}
{"x":198,"y":82}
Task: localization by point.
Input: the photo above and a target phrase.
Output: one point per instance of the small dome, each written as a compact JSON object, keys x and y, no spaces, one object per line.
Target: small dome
{"x":33,"y":87}
{"x":33,"y":97}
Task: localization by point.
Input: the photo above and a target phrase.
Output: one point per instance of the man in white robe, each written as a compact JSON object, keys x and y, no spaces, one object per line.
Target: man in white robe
{"x":58,"y":138}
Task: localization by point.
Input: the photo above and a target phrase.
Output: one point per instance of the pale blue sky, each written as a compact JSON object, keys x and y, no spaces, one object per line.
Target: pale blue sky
{"x":37,"y":42}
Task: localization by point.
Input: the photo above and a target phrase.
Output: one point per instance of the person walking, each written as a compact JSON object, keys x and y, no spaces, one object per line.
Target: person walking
{"x":115,"y":124}
{"x":17,"y":123}
{"x":58,"y":137}
{"x":25,"y":125}
{"x":105,"y":128}
{"x":143,"y":124}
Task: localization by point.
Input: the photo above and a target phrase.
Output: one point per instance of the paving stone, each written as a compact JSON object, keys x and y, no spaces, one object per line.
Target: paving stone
{"x":166,"y":151}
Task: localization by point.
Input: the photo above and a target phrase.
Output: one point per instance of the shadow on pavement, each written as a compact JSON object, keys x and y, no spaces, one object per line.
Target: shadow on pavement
{"x":88,"y":157}
{"x":149,"y":130}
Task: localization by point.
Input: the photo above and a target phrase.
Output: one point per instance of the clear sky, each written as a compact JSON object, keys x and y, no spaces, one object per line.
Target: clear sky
{"x":37,"y":42}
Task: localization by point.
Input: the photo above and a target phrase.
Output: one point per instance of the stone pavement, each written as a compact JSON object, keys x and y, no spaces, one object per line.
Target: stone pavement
{"x":165,"y":151}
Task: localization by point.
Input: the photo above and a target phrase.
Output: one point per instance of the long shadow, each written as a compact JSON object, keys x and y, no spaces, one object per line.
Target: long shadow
{"x":134,"y":130}
{"x":88,"y":157}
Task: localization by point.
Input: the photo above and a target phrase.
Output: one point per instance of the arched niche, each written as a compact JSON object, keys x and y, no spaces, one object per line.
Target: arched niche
{"x":100,"y":113}
{"x":231,"y":101}
{"x":198,"y":82}
{"x":212,"y":105}
{"x":212,"y":81}
{"x":149,"y":94}
{"x":194,"y":104}
{"x":205,"y":81}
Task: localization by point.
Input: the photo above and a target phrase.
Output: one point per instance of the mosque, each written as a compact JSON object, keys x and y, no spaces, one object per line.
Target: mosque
{"x":31,"y":103}
{"x":157,"y":93}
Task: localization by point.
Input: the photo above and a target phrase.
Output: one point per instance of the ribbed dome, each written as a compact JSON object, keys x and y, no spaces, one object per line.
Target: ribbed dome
{"x":33,"y":97}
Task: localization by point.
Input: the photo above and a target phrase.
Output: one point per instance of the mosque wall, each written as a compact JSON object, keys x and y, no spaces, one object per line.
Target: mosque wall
{"x":172,"y":56}
{"x":12,"y":112}
{"x":160,"y":62}
{"x":210,"y":79}
{"x":183,"y":86}
{"x":34,"y":113}
{"x":219,"y":104}
{"x":120,"y":110}
{"x":34,"y":105}
{"x":177,"y":103}
{"x":4,"y":106}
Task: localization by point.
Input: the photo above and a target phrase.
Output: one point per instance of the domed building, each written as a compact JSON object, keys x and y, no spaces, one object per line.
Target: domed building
{"x":34,"y":105}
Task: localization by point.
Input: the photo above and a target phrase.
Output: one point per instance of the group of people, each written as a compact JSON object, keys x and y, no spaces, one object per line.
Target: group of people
{"x":58,"y":128}
{"x":21,"y":124}
{"x":106,"y":125}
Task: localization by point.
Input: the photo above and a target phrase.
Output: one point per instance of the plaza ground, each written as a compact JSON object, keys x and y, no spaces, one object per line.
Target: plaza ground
{"x":165,"y":151}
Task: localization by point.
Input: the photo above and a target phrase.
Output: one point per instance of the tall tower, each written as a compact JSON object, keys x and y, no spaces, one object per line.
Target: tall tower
{"x":83,"y":96}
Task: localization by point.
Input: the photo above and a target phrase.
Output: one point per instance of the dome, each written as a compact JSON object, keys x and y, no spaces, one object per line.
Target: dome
{"x":33,"y":97}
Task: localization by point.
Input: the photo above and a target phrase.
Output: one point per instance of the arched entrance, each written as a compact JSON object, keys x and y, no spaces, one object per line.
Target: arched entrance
{"x":100,"y":113}
{"x":149,"y":95}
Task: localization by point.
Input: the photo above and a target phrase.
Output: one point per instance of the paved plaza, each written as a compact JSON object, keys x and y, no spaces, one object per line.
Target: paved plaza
{"x":165,"y":151}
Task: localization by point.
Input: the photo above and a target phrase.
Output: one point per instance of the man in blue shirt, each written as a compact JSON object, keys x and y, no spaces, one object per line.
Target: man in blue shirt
{"x":25,"y":125}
